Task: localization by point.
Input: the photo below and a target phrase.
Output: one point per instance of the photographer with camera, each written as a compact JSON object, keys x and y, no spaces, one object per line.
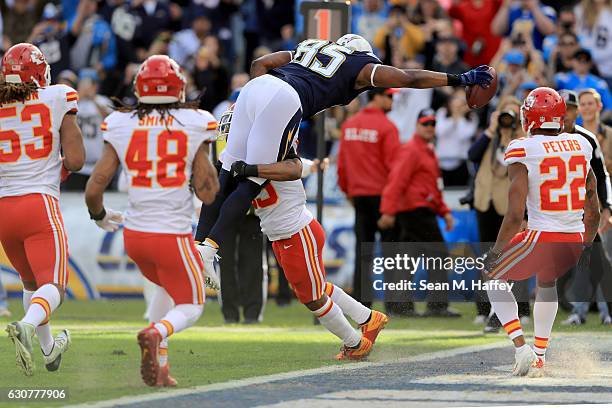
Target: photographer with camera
{"x":491,"y":186}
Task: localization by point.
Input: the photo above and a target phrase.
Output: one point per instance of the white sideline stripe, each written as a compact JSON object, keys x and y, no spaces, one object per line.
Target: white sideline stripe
{"x":285,"y":376}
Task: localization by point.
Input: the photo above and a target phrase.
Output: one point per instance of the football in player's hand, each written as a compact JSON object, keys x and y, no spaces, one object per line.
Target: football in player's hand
{"x":477,"y":96}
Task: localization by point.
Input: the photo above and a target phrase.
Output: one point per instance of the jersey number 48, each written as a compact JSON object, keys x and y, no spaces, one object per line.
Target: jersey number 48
{"x":171,"y":154}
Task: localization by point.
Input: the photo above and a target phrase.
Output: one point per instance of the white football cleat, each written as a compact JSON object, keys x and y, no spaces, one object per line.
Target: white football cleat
{"x":209,"y":256}
{"x":537,"y":368}
{"x":524,"y":357}
{"x":61,"y":343}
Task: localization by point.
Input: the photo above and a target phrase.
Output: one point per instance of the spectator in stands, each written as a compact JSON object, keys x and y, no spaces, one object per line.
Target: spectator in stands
{"x":152,"y":17}
{"x":566,"y":23}
{"x":447,"y":56}
{"x":581,"y":78}
{"x":367,"y":17}
{"x":398,"y":35}
{"x":93,"y":108}
{"x":211,"y":76}
{"x":527,"y":16}
{"x":67,"y":77}
{"x":186,"y":43}
{"x":475,"y":17}
{"x":18,"y":19}
{"x":434,"y":23}
{"x":491,"y":186}
{"x":237,"y":82}
{"x":590,"y":107}
{"x":368,"y":146}
{"x":595,"y":31}
{"x":456,"y":125}
{"x":94,"y":42}
{"x":411,"y":200}
{"x":513,"y":74}
{"x":53,"y":41}
{"x":408,"y":102}
{"x":562,"y":55}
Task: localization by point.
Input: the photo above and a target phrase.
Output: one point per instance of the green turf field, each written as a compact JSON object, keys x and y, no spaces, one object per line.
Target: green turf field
{"x":103,"y":362}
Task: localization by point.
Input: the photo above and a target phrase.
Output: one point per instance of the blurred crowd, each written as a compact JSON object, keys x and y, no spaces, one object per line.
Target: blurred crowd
{"x":96,"y":47}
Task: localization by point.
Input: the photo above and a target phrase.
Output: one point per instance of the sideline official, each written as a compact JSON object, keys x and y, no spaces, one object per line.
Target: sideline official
{"x":411,"y":200}
{"x":368,"y":146}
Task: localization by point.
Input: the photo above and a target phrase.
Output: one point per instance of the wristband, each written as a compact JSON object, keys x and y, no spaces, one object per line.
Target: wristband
{"x":250,"y":170}
{"x":97,"y":217}
{"x":453,"y":80}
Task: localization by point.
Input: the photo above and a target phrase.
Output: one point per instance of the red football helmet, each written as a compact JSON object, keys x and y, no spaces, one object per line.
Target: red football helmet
{"x":26,"y":63}
{"x":160,"y":80}
{"x":543,"y":108}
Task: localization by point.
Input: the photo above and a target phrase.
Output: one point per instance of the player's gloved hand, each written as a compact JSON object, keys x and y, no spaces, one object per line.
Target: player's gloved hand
{"x":490,"y":260}
{"x":477,"y":76}
{"x":108,"y":220}
{"x":240,"y":169}
{"x":585,"y":258}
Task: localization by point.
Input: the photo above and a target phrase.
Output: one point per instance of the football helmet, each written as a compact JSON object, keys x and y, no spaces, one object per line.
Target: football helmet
{"x":23,"y":63}
{"x":224,"y":123}
{"x":355,"y":42}
{"x":160,"y":80}
{"x":543,"y":108}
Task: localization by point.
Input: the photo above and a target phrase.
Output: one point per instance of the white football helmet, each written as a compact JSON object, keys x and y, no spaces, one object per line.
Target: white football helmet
{"x":355,"y":42}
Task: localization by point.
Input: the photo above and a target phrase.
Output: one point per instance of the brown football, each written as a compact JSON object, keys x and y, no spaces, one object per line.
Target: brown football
{"x":477,"y":96}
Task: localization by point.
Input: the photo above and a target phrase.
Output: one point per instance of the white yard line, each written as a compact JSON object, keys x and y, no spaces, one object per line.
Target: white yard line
{"x":285,"y":376}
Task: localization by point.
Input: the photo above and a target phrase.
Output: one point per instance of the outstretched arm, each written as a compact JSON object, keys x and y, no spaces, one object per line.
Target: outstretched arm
{"x":386,"y":76}
{"x":262,"y":65}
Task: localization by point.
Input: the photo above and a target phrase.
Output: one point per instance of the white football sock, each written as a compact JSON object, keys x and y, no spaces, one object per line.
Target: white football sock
{"x":43,"y":302}
{"x":160,"y":303}
{"x":505,"y":307}
{"x":331,"y":316}
{"x":544,"y":313}
{"x":178,"y":319}
{"x":43,"y":331}
{"x":355,"y":310}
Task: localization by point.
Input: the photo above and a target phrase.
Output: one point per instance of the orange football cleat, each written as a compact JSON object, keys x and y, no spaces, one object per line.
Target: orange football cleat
{"x":164,"y":379}
{"x":355,"y":353}
{"x":148,"y":340}
{"x":377,"y":322}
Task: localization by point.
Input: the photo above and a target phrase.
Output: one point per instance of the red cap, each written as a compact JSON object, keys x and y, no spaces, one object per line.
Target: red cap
{"x":426,"y":115}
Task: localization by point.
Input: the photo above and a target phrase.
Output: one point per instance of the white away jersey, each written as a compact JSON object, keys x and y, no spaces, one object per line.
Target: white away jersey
{"x":558,"y":167}
{"x":281,"y":208}
{"x":30,"y":141}
{"x":157,"y":156}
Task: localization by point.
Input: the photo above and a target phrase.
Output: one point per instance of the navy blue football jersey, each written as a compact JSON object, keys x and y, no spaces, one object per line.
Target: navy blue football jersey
{"x":323,"y":73}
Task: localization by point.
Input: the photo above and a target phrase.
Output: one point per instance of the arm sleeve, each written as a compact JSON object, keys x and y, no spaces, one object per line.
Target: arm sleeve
{"x":515,"y":153}
{"x":400,"y":177}
{"x":478,"y":148}
{"x":69,"y":98}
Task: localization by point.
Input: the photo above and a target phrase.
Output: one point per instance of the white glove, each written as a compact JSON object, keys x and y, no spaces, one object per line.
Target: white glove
{"x":111,"y":221}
